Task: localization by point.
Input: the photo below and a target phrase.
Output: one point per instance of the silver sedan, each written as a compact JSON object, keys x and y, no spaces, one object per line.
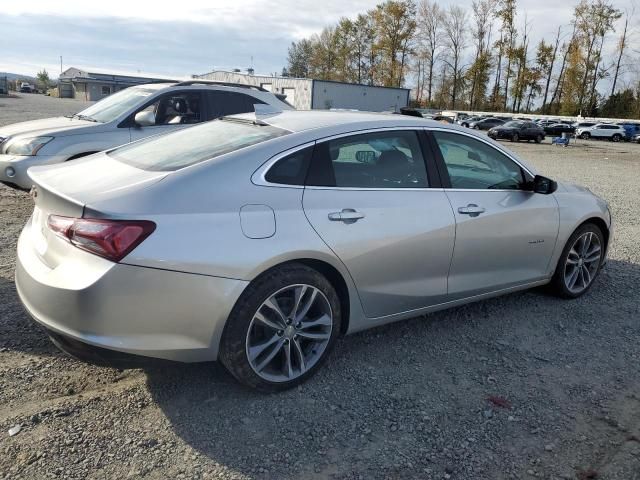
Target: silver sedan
{"x":257,"y":240}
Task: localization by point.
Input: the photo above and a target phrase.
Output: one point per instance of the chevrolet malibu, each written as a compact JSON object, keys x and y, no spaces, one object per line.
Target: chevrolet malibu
{"x":257,"y":240}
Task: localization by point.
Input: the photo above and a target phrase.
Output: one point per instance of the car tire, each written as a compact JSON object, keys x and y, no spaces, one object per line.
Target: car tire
{"x":616,"y":138}
{"x":539,"y":138}
{"x":515,"y":137}
{"x":253,"y":319}
{"x":585,"y":136}
{"x":464,"y":124}
{"x":572,"y":254}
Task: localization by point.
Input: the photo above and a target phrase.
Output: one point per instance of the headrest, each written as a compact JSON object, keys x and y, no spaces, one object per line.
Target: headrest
{"x":179,"y":105}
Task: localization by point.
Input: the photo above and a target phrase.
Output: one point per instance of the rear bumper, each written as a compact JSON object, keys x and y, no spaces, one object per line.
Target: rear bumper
{"x":135,"y":310}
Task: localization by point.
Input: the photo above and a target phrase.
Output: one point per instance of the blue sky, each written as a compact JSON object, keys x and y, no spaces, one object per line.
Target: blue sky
{"x":182,"y":38}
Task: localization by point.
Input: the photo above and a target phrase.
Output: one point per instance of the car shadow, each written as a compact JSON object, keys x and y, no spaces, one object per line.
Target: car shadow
{"x":434,"y":364}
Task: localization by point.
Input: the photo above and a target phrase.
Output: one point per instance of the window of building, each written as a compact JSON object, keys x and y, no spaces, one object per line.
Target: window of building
{"x":106,"y":90}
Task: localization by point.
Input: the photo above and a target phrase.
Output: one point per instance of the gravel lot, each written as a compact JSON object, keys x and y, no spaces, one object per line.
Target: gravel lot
{"x":409,"y":400}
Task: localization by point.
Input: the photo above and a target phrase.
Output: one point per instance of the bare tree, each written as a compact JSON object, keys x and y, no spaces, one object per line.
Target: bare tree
{"x":622,"y":43}
{"x":455,"y":30}
{"x":482,"y":23}
{"x":430,"y":24}
{"x":546,"y":63}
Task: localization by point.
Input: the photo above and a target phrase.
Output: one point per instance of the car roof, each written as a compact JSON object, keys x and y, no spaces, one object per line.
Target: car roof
{"x":300,"y":120}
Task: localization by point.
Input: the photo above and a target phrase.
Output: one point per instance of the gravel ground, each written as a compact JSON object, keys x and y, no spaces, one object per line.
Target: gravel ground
{"x":522,"y":386}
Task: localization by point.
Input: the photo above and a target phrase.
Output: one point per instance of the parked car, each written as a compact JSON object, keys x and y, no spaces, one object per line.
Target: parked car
{"x":466,"y":121}
{"x":557,"y":129}
{"x":577,"y":125}
{"x":257,"y":241}
{"x":608,"y":131}
{"x":636,"y":138}
{"x":517,"y":130}
{"x":126,"y":116}
{"x":630,"y":128}
{"x":485,"y":123}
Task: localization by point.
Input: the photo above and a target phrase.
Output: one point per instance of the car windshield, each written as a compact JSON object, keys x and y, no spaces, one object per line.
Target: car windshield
{"x":194,"y":145}
{"x":513,"y":124}
{"x":113,"y":106}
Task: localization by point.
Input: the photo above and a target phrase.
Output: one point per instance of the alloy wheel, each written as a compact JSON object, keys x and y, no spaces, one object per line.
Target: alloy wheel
{"x":583,"y":261}
{"x":289,"y":333}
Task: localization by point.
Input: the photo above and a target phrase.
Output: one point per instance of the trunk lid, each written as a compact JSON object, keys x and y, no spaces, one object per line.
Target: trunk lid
{"x":66,"y":190}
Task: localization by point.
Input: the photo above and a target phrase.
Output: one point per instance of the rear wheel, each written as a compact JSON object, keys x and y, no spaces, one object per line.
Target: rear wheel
{"x":281,"y":329}
{"x":580,"y":262}
{"x":585,"y":136}
{"x":515,"y":137}
{"x":539,"y":138}
{"x":616,"y":137}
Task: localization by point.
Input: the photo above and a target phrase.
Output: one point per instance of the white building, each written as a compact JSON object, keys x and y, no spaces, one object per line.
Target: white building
{"x":307,"y":94}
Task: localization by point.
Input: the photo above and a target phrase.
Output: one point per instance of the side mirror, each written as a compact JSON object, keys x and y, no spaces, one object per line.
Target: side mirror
{"x":145,"y":119}
{"x":543,"y":185}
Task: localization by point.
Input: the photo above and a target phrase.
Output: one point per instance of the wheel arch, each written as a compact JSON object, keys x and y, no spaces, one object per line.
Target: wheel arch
{"x":601,"y":224}
{"x":338,"y":280}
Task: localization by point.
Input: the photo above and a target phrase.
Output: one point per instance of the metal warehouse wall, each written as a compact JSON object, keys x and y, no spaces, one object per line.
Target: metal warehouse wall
{"x":298,"y":88}
{"x":360,"y":97}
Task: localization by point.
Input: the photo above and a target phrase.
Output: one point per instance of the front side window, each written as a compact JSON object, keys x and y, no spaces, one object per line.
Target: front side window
{"x":176,"y":108}
{"x":473,"y":164}
{"x":193,"y":145}
{"x":110,"y":108}
{"x":370,"y":160}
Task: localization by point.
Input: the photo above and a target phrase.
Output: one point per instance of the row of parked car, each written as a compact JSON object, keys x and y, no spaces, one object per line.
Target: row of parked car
{"x":526,"y":129}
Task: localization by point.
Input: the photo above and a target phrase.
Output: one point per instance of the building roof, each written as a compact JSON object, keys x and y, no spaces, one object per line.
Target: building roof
{"x":298,"y":78}
{"x":74,"y":73}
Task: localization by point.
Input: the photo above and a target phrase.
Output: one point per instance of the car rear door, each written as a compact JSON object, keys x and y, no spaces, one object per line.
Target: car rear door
{"x":375,"y":200}
{"x":221,"y":103}
{"x":505,"y":234}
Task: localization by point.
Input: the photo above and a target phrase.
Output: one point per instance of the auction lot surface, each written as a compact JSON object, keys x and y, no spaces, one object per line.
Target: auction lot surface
{"x":409,"y":400}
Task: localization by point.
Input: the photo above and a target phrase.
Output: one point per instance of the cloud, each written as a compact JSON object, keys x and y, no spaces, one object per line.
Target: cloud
{"x":195,"y":36}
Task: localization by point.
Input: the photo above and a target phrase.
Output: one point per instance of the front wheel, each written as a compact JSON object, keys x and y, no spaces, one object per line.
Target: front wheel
{"x":585,"y":136}
{"x":616,"y":138}
{"x":539,"y":138}
{"x":580,"y":262}
{"x":515,"y":137}
{"x":281,"y":329}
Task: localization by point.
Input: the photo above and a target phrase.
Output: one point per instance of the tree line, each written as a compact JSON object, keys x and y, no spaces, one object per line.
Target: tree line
{"x":481,"y":58}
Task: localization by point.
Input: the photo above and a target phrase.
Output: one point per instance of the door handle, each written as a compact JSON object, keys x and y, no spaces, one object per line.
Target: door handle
{"x":472,"y":210}
{"x":347,"y":215}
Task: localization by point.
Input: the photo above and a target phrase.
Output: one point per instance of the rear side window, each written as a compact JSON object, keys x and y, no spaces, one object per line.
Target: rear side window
{"x":292,"y":169}
{"x":373,"y":160}
{"x":193,"y":145}
{"x":222,"y":103}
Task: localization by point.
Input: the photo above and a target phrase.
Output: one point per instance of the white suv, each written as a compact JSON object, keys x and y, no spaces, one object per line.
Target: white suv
{"x":611,"y":132}
{"x":129,"y":115}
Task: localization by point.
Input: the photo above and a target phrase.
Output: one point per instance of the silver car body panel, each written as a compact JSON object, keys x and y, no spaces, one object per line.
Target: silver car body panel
{"x":220,"y":225}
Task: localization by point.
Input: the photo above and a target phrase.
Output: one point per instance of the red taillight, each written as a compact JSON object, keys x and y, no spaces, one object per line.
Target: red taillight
{"x":111,"y":239}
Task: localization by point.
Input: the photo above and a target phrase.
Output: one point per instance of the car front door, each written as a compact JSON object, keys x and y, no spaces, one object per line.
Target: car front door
{"x":369,"y":197}
{"x":170,"y":112}
{"x":505,"y":234}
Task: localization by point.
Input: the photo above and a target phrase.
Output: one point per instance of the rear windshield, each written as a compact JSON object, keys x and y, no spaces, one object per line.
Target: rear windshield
{"x":194,"y":145}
